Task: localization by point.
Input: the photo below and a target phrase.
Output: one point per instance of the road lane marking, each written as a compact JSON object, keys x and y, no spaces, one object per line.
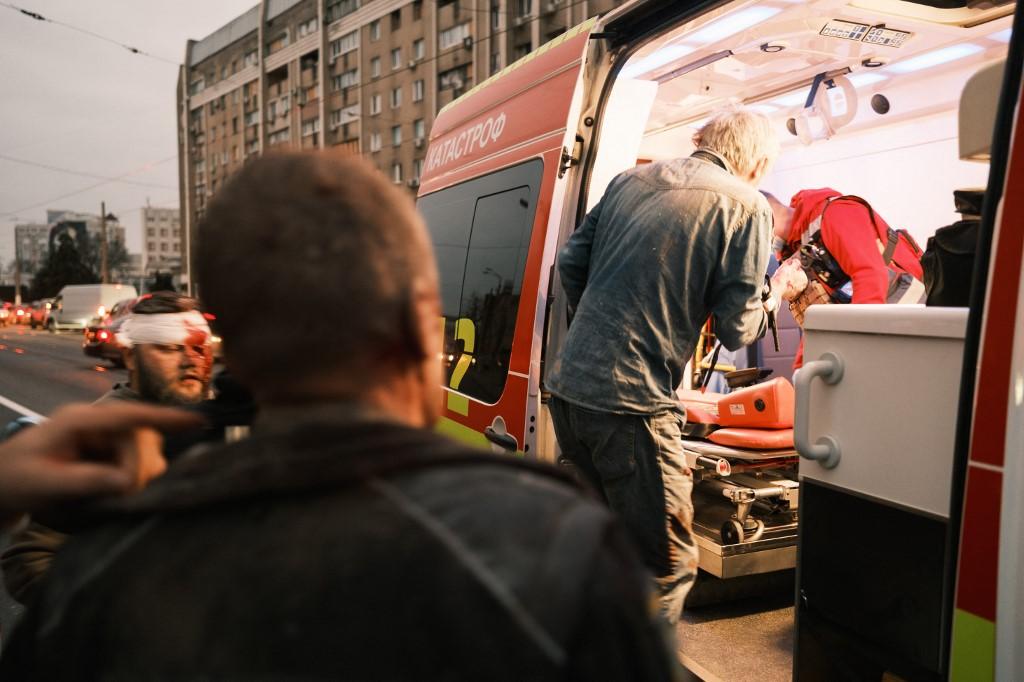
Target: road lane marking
{"x":20,"y":409}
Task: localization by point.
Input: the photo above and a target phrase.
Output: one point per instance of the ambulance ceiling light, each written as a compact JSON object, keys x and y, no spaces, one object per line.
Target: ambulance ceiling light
{"x":665,"y":55}
{"x":861,"y":80}
{"x":936,"y":57}
{"x":731,"y":24}
{"x":1002,"y":36}
{"x":763,"y":108}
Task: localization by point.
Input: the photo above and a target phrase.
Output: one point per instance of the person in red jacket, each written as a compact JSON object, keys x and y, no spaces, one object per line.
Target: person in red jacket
{"x":845,"y":247}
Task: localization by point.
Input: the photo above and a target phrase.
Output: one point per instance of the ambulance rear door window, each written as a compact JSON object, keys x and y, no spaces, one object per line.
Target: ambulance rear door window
{"x":481,"y":231}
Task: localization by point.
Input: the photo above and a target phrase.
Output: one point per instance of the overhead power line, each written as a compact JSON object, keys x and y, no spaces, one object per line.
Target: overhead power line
{"x":92,"y":34}
{"x":90,"y":187}
{"x":34,"y":164}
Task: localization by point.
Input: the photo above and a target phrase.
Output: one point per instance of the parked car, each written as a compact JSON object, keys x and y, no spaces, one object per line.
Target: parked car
{"x":40,"y":313}
{"x":78,"y":305}
{"x":101,"y":336}
{"x":5,"y":314}
{"x":21,"y":313}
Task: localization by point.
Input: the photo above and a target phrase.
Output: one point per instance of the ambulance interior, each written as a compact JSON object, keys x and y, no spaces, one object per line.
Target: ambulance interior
{"x":882,"y":125}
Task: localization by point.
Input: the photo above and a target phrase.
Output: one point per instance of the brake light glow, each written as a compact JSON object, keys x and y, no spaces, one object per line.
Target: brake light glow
{"x":102,"y":335}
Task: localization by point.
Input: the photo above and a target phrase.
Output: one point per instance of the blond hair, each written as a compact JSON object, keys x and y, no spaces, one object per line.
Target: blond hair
{"x":742,"y":136}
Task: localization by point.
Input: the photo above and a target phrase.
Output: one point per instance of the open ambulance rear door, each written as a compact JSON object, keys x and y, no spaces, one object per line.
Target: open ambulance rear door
{"x":492,"y":190}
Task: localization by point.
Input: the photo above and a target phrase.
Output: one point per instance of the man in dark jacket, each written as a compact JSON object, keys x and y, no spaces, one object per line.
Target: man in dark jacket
{"x":344,"y":539}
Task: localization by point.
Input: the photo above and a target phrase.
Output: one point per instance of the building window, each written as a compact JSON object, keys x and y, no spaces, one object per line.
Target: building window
{"x":224,"y":158}
{"x":375,"y":67}
{"x":236,"y":153}
{"x":522,"y":50}
{"x":277,"y":43}
{"x":177,"y":247}
{"x":396,"y":58}
{"x":396,"y":171}
{"x":224,"y":72}
{"x":339,"y":8}
{"x":252,"y":118}
{"x":417,"y":169}
{"x":234,"y":124}
{"x":523,"y":7}
{"x":417,"y":10}
{"x":311,"y":127}
{"x":213,"y":133}
{"x":453,"y":36}
{"x":495,"y":63}
{"x":375,"y":104}
{"x":196,"y":86}
{"x":396,"y":98}
{"x":495,"y":17}
{"x":163,"y":246}
{"x":345,"y":80}
{"x":346,"y":43}
{"x":307,"y":27}
{"x":252,"y":57}
{"x":417,"y":91}
{"x":396,"y":135}
{"x":453,"y":78}
{"x":150,"y":232}
{"x":375,"y":30}
{"x":163,"y":232}
{"x":396,"y":20}
{"x":375,"y":142}
{"x":335,"y":120}
{"x":280,"y":136}
{"x":419,"y":48}
{"x":151,"y":246}
{"x":419,"y":129}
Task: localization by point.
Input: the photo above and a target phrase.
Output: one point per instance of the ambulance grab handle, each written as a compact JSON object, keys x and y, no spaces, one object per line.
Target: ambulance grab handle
{"x":826,"y":449}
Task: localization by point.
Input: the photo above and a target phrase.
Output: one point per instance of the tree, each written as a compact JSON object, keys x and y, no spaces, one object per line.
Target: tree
{"x":117,"y":258}
{"x":65,"y":265}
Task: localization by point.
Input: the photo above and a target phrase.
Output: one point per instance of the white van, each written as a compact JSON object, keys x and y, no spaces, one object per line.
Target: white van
{"x":78,"y":304}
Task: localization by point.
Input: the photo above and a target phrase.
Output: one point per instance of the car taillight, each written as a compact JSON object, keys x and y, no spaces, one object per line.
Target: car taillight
{"x":102,"y":335}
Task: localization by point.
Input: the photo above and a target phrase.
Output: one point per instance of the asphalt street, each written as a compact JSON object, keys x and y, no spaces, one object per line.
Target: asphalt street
{"x":40,"y":371}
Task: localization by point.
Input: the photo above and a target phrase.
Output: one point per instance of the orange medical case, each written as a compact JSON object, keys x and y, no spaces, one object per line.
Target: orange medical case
{"x":768,"y":405}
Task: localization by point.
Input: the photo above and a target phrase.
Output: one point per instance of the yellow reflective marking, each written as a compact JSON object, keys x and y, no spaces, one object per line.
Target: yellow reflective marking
{"x":973,"y":657}
{"x":461,"y":433}
{"x":465,"y":331}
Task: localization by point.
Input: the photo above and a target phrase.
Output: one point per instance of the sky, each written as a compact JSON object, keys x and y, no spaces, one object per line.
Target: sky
{"x":75,"y":102}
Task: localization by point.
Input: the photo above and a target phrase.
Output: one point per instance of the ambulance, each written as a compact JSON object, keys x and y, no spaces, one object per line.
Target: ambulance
{"x":901,"y":516}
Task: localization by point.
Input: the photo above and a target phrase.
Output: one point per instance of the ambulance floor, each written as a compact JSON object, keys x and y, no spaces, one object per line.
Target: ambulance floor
{"x":751,"y":639}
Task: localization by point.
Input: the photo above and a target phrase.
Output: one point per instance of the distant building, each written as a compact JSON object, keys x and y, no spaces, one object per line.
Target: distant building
{"x":70,"y":221}
{"x":161,"y":240}
{"x":354,"y":76}
{"x":31,"y":245}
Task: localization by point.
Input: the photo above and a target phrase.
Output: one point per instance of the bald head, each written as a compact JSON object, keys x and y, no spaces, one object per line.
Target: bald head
{"x":312,"y":264}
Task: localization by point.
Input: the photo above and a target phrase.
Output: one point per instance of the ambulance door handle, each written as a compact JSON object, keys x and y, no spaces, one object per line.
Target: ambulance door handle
{"x":503,"y":439}
{"x":826,"y":449}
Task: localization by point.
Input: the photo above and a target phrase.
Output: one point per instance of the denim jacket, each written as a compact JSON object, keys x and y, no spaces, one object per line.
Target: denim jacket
{"x":669,"y":244}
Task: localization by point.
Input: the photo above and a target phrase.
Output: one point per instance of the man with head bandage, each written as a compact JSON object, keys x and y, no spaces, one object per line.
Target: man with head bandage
{"x":167,"y":349}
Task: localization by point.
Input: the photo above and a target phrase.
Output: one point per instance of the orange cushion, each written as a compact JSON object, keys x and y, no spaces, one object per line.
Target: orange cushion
{"x":755,"y":439}
{"x":761,"y":406}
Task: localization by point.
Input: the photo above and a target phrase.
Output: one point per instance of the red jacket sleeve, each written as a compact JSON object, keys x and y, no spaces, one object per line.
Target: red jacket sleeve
{"x":852,"y":240}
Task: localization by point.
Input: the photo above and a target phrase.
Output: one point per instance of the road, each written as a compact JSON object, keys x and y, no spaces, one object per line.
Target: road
{"x":40,"y":371}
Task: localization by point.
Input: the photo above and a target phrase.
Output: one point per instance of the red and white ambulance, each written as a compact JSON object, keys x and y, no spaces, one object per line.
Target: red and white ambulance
{"x":909,"y":558}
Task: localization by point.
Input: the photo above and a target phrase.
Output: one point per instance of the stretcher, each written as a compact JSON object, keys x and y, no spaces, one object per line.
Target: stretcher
{"x":746,"y":491}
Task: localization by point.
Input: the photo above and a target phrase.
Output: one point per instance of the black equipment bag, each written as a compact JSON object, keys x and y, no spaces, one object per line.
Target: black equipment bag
{"x":948,"y":263}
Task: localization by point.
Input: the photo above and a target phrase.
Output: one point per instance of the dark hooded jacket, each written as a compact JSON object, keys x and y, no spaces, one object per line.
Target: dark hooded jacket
{"x":345,"y":548}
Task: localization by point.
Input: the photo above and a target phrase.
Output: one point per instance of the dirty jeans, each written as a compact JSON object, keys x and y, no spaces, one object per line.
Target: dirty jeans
{"x":637,"y":464}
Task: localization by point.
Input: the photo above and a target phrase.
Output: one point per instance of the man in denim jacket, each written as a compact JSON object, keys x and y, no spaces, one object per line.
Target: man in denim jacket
{"x":669,"y":244}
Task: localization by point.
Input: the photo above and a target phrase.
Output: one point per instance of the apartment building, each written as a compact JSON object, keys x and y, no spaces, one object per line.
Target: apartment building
{"x":31,"y":245}
{"x":161,"y":241}
{"x":351,"y":76}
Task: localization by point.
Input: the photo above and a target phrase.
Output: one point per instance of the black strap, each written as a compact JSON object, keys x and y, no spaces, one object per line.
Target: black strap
{"x":706,"y":380}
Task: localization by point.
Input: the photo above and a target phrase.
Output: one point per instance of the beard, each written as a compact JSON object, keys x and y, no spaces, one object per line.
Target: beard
{"x":153,"y":390}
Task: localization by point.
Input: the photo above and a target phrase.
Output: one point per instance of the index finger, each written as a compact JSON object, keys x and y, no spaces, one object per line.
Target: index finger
{"x":124,"y":416}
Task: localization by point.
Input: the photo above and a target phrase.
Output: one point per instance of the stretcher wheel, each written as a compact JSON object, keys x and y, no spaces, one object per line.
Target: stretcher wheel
{"x":732,"y":532}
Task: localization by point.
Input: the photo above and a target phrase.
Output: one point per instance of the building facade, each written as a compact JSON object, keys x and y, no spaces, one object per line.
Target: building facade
{"x":31,"y":245}
{"x":352,"y":76}
{"x":161,"y":241}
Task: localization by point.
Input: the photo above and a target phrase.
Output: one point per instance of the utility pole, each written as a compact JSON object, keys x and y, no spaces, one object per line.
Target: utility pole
{"x":103,"y":243}
{"x":17,"y":271}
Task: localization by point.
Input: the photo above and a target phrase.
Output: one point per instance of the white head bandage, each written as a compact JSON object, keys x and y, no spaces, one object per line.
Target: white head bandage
{"x":172,"y":329}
